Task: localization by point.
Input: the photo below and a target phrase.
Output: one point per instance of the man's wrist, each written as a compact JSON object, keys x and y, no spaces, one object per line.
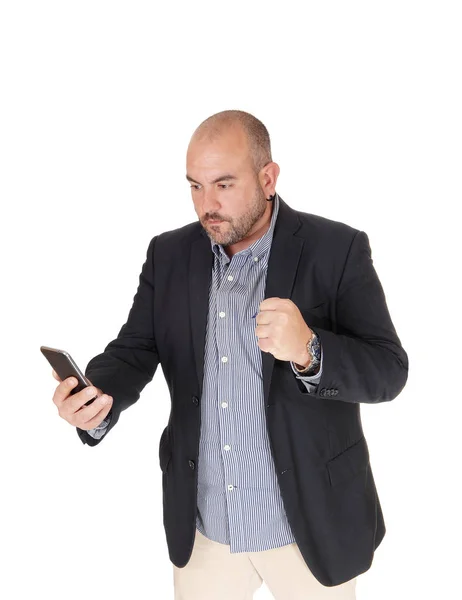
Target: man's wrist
{"x":309,"y":372}
{"x":303,"y":364}
{"x":308,"y":363}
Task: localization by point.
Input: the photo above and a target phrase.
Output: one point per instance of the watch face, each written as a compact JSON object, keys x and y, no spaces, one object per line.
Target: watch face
{"x":316,"y":347}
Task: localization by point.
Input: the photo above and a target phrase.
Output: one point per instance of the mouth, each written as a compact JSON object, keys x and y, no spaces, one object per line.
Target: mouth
{"x":214,"y":222}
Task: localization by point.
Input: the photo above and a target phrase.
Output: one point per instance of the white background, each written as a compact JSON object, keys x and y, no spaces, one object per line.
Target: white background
{"x":98,"y":102}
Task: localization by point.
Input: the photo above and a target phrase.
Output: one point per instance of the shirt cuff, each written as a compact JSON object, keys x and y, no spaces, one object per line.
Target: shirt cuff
{"x":98,"y":432}
{"x":312,"y":378}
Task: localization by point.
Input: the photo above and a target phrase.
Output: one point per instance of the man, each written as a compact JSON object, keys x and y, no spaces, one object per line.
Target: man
{"x":271,"y":327}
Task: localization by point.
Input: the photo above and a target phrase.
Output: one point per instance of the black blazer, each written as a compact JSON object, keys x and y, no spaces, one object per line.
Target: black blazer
{"x":318,"y":445}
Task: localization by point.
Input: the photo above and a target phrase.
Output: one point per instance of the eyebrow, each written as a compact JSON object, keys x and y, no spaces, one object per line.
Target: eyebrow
{"x":226,"y":177}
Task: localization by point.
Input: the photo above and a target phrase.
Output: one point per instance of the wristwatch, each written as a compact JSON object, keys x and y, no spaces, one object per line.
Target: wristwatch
{"x":314,"y":351}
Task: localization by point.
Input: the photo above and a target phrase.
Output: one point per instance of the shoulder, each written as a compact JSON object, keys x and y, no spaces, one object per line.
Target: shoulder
{"x":327,"y":236}
{"x":313,"y":224}
{"x":176,"y":240}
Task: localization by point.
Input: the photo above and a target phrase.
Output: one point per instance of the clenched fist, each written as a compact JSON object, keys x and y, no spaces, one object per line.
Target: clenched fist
{"x":282,"y":330}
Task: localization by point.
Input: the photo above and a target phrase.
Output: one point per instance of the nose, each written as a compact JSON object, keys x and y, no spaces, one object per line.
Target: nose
{"x":210,"y":205}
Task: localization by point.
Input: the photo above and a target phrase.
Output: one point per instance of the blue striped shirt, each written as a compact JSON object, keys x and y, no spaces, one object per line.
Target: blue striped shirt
{"x":238,"y":496}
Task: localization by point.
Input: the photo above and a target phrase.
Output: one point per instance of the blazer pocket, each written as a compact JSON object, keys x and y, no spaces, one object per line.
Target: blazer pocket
{"x":317,"y":315}
{"x":165,"y":451}
{"x":314,"y":307}
{"x":349,"y":463}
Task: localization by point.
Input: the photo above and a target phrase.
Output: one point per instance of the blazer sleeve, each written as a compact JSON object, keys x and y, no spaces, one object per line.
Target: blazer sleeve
{"x":129,"y":361}
{"x":364,"y":360}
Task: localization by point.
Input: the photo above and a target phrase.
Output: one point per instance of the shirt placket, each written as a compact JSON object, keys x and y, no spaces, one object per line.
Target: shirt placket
{"x":227,"y":375}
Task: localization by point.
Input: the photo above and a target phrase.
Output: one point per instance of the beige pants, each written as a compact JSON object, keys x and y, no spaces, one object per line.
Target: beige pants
{"x":213,"y":573}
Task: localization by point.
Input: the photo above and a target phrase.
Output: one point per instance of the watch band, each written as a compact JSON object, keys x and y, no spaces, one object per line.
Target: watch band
{"x":314,"y":351}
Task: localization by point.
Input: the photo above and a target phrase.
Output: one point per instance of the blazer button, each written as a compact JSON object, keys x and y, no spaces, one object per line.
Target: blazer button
{"x":195,"y":400}
{"x":191,"y":464}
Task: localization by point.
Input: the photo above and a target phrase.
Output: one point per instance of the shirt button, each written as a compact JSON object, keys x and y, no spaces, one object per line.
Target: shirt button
{"x":224,"y":404}
{"x":230,"y":487}
{"x":227,"y":447}
{"x":224,"y":359}
{"x":255,"y":258}
{"x":222,"y":314}
{"x":230,"y":277}
{"x":195,"y":400}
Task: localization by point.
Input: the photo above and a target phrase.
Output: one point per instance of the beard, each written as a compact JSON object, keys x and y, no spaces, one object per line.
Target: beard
{"x":238,"y":229}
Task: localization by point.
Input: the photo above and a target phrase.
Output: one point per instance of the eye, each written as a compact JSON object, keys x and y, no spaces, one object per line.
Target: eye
{"x":195,"y":186}
{"x":225,"y":186}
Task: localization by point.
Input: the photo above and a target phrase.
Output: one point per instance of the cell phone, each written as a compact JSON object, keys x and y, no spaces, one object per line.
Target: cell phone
{"x":65,"y":367}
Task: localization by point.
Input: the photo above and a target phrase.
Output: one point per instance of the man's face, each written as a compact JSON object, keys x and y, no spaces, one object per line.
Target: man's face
{"x":236,"y":199}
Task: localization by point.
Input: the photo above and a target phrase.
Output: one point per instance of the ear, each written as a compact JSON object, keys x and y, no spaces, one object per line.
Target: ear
{"x":268,"y":177}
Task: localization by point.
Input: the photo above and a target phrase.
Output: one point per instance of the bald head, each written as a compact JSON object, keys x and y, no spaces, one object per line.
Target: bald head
{"x":254,"y":134}
{"x":229,"y":167}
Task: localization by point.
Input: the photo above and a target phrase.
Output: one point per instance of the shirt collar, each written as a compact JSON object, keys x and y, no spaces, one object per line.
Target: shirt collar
{"x":260,"y":247}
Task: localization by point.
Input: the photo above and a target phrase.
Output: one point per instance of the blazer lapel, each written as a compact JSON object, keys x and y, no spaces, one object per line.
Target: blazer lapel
{"x":283,"y":261}
{"x":199,"y":279}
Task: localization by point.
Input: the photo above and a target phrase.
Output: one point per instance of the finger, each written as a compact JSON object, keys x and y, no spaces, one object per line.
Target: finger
{"x":262,"y":331}
{"x":77,"y":401}
{"x":71,"y":405}
{"x":91,"y":416}
{"x":55,"y":375}
{"x":265,"y":317}
{"x":270,"y":303}
{"x":266,"y":346}
{"x":63,"y":390}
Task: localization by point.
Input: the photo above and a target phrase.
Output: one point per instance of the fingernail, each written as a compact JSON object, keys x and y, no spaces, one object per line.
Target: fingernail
{"x":72,"y":381}
{"x":90,"y":392}
{"x":104,"y":399}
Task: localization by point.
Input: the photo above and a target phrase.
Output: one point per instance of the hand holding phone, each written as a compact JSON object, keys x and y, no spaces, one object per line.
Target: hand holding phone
{"x":79,"y":402}
{"x":74,"y":408}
